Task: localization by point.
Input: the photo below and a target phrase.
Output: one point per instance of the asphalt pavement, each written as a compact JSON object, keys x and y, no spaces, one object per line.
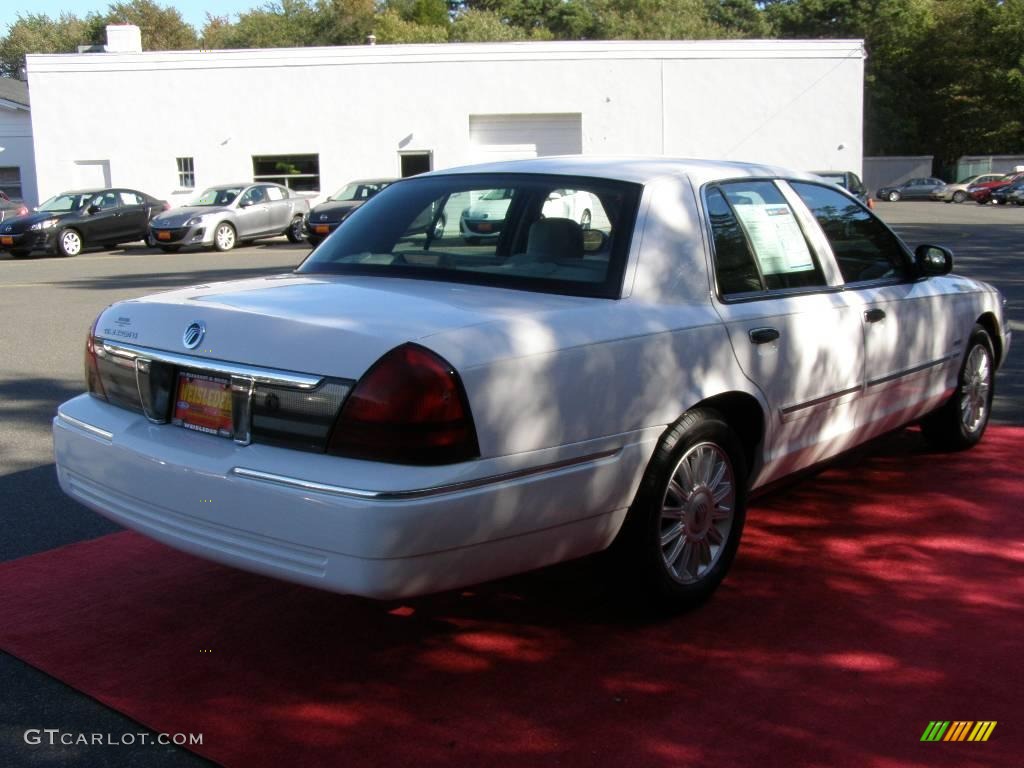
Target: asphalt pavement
{"x":48,"y":304}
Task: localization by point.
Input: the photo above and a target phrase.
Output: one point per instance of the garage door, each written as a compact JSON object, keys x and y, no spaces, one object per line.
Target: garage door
{"x":513,"y":137}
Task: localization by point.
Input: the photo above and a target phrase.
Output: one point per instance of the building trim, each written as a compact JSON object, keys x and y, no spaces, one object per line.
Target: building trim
{"x":447,"y":53}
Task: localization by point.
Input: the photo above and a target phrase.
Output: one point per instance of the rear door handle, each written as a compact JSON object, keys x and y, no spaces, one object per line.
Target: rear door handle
{"x":874,"y":315}
{"x":763,"y":335}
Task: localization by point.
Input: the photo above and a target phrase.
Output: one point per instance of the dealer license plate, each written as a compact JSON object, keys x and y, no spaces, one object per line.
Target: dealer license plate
{"x":163,"y":235}
{"x":6,"y":241}
{"x":203,"y":403}
{"x":321,"y":229}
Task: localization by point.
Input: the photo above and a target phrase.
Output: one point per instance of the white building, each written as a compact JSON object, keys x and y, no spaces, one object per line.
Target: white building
{"x":17,"y":160}
{"x":168,"y":122}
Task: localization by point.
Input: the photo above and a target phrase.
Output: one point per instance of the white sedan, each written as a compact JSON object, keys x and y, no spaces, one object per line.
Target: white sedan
{"x":404,"y":413}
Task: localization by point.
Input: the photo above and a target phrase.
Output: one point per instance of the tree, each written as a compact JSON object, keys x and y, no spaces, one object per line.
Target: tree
{"x":390,"y":27}
{"x":484,"y":26}
{"x":163,"y":28}
{"x":38,"y":33}
{"x":289,"y":23}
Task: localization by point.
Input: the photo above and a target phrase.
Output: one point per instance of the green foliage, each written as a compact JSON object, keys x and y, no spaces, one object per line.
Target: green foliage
{"x":163,"y":28}
{"x":942,"y":77}
{"x":484,"y":26}
{"x":390,"y":27}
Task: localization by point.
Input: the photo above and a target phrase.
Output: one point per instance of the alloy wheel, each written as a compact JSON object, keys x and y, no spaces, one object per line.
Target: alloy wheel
{"x":697,"y":512}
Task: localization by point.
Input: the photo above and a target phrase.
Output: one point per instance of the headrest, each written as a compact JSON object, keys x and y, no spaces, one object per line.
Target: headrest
{"x":552,"y":239}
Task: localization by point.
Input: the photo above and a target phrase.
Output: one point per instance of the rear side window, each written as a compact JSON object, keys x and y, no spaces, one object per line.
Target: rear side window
{"x":735,"y":269}
{"x":864,"y":248}
{"x":782,"y":256}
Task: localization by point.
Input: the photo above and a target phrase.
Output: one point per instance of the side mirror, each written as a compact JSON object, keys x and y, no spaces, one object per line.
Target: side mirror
{"x":594,"y":240}
{"x":245,"y":203}
{"x":92,"y":209}
{"x":933,"y":260}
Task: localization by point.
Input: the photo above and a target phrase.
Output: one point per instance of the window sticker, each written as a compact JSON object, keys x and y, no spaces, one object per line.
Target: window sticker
{"x":776,"y":236}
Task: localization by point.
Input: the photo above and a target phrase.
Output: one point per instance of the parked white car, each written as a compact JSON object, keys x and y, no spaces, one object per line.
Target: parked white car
{"x":405,"y":413}
{"x":484,"y":219}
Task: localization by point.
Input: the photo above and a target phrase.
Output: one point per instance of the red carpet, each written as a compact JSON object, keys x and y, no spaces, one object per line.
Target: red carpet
{"x":880,"y":595}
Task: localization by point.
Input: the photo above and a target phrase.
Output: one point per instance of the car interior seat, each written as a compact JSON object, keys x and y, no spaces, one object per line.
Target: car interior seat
{"x":554,"y":240}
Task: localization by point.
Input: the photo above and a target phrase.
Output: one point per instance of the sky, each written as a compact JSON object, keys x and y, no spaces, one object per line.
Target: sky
{"x":193,"y":11}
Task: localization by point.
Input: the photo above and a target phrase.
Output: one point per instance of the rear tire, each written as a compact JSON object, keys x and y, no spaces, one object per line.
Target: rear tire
{"x":961,"y":422}
{"x":294,"y":231}
{"x":959,"y":196}
{"x":681,"y":534}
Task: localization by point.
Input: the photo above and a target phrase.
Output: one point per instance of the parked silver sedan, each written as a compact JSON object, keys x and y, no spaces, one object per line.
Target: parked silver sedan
{"x":221,"y":216}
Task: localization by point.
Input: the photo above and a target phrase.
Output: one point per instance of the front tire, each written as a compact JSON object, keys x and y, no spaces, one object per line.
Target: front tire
{"x":961,"y":422}
{"x":224,"y":237}
{"x":683,"y":529}
{"x":69,"y":243}
{"x":294,"y":231}
{"x":893,"y":197}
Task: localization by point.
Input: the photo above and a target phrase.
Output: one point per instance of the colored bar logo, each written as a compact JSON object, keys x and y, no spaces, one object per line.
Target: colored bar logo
{"x":958,"y":730}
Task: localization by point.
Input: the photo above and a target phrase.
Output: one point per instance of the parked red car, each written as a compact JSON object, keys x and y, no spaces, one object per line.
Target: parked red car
{"x":982,"y":193}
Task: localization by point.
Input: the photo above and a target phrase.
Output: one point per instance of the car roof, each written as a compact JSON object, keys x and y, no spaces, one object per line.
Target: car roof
{"x":389,"y":180}
{"x":641,"y":170}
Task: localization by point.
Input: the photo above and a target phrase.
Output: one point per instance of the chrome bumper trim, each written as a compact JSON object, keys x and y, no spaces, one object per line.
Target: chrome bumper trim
{"x":260,"y":375}
{"x":85,"y":427}
{"x":416,"y":493}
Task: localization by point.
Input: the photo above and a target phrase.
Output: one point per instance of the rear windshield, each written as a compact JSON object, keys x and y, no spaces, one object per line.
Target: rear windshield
{"x":555,"y":234}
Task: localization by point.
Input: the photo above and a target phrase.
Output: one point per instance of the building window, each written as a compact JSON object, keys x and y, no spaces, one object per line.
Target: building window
{"x":415,"y":163}
{"x":186,"y":173}
{"x":10,"y":182}
{"x":297,"y":172}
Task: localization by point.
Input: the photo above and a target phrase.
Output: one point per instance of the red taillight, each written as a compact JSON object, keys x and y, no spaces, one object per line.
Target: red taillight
{"x":871,"y":204}
{"x":93,"y":382}
{"x":23,"y":211}
{"x":409,"y":408}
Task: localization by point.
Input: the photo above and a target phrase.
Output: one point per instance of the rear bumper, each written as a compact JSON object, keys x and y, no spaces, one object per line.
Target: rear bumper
{"x":295,"y":516}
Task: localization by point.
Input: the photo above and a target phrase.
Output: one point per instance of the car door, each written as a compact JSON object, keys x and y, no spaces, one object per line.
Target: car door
{"x":793,"y":332}
{"x":252,"y":214}
{"x":279,"y":208}
{"x":100,"y":221}
{"x":909,"y":334}
{"x":134,"y":216}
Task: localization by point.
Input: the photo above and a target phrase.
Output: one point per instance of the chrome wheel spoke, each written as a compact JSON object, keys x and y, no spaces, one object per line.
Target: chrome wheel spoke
{"x":671,"y":533}
{"x":674,"y":553}
{"x":705,"y":553}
